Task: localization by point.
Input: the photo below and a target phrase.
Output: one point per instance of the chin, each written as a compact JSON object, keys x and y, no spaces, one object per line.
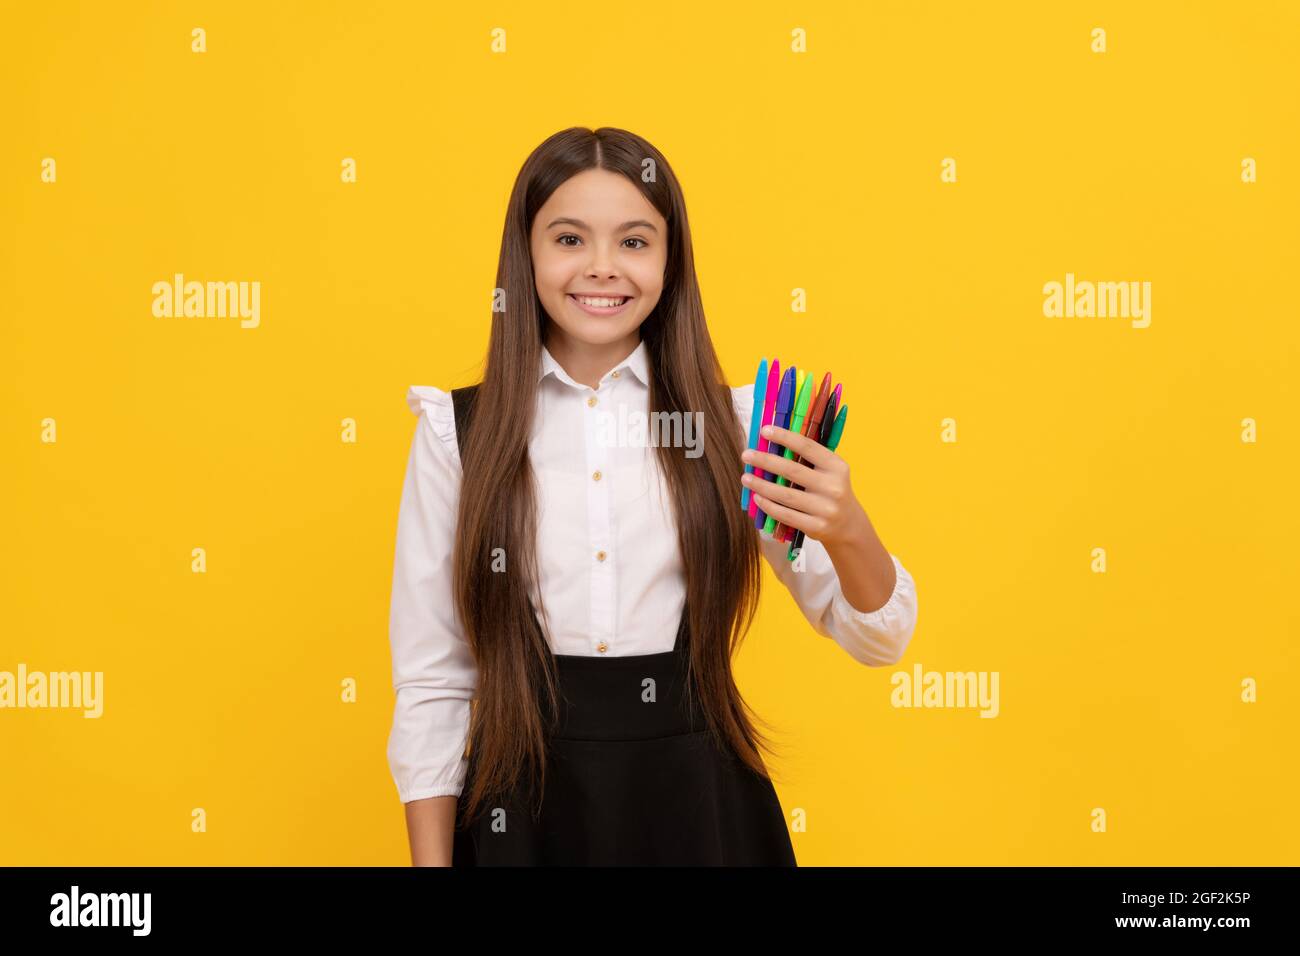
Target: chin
{"x":600,"y":334}
{"x":593,"y":331}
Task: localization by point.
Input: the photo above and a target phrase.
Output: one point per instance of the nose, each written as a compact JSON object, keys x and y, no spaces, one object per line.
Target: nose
{"x":601,"y":264}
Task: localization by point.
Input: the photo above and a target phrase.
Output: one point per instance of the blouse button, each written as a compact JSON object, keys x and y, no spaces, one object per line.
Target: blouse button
{"x":614,"y":374}
{"x":602,"y":647}
{"x":595,"y":476}
{"x":591,"y":402}
{"x":600,"y":555}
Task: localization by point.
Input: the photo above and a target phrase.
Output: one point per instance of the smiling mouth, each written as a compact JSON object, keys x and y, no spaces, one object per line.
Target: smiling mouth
{"x":600,"y":304}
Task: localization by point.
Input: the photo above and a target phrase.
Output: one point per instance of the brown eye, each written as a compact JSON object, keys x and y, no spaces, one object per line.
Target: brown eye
{"x":636,"y":239}
{"x":567,"y":235}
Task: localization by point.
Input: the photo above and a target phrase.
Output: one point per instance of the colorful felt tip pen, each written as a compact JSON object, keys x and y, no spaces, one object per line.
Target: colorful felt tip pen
{"x":796,"y":425}
{"x":769,"y":404}
{"x":822,"y":436}
{"x":828,"y":420}
{"x":832,"y":442}
{"x":755,"y":423}
{"x":811,"y":428}
{"x":780,"y":418}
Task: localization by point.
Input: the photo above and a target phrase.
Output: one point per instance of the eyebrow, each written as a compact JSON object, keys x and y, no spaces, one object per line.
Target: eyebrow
{"x":630,"y":224}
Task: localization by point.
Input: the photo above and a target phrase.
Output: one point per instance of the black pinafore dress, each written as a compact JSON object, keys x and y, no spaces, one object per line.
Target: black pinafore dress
{"x":633,"y":778}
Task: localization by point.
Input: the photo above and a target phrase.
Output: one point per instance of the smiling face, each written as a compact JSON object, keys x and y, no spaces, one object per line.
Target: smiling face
{"x":599,"y":251}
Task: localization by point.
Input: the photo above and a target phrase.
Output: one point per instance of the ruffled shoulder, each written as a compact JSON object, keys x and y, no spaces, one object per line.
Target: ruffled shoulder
{"x":436,"y":407}
{"x":742,"y":400}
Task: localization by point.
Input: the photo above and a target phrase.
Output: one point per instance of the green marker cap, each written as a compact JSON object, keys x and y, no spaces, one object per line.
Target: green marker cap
{"x":837,"y":429}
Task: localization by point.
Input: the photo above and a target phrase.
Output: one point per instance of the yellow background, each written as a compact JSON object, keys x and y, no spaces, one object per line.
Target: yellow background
{"x":818,"y":171}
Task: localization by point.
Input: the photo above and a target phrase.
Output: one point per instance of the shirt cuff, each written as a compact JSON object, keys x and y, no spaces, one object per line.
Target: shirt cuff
{"x":420,"y":793}
{"x":443,"y":784}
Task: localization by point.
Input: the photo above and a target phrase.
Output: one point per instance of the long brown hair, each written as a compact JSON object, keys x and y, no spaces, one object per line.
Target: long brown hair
{"x":498,"y":505}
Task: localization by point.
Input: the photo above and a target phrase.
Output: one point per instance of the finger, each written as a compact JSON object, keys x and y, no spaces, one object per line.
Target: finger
{"x":795,"y":519}
{"x":784,"y":494}
{"x":814,"y":451}
{"x":789,"y":469}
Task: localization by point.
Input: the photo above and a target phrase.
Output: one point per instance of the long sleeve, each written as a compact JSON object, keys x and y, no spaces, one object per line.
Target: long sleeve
{"x":875,"y":638}
{"x":434,"y":674}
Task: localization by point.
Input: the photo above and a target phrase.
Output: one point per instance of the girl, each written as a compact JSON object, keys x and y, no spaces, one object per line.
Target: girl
{"x":588,"y":592}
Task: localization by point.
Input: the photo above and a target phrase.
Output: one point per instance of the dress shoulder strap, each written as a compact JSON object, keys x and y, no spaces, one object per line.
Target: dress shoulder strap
{"x":462,"y":406}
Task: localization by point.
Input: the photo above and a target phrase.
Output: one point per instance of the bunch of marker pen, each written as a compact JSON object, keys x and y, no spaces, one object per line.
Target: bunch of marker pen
{"x":786,"y":401}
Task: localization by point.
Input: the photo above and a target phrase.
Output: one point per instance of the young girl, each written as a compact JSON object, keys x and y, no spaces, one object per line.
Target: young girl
{"x":587,"y":592}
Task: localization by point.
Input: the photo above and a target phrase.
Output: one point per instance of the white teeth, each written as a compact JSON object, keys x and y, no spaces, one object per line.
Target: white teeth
{"x":603,"y":303}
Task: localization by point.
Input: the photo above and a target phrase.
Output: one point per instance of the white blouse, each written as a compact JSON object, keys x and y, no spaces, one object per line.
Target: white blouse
{"x":597,"y":498}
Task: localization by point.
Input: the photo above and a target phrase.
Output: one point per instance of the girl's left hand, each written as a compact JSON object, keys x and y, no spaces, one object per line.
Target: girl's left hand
{"x":826,"y":509}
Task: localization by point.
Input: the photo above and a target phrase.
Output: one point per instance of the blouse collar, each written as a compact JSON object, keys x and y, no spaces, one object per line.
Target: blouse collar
{"x":636,"y":362}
